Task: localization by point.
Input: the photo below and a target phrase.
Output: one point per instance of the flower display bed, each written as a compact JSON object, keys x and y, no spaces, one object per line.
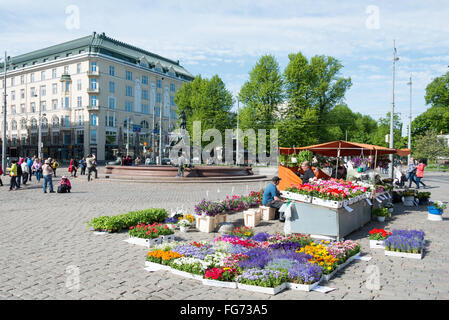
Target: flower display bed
{"x":405,"y":243}
{"x":261,"y":263}
{"x":377,"y":244}
{"x":377,"y":238}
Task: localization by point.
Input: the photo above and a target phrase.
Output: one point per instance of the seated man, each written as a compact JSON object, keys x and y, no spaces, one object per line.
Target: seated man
{"x":308,"y":172}
{"x":271,"y":197}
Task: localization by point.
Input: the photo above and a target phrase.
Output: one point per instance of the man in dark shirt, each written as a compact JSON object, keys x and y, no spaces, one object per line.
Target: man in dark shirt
{"x":308,"y":172}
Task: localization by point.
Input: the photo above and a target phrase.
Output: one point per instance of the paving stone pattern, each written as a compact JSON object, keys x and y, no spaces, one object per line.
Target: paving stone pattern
{"x":45,"y":244}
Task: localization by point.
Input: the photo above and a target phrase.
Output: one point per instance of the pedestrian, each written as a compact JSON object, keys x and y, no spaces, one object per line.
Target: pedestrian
{"x":181,"y":163}
{"x":83,"y":166}
{"x":411,"y":173}
{"x":47,"y":172}
{"x":64,"y":185}
{"x":19,"y":173}
{"x":1,"y":173}
{"x":73,"y":167}
{"x":37,"y":168}
{"x":54,"y":165}
{"x":420,"y":173}
{"x":30,"y":165}
{"x":91,"y":166}
{"x":25,"y":172}
{"x":271,"y":197}
{"x":13,"y":175}
{"x":308,"y":172}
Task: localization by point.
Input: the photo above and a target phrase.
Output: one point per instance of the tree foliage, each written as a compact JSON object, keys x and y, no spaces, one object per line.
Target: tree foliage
{"x":429,"y":146}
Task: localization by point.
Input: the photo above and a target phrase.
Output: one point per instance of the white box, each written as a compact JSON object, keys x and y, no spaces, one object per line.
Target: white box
{"x":404,"y":254}
{"x":251,"y":218}
{"x":144,"y":242}
{"x":223,"y":284}
{"x":375,"y":244}
{"x":302,"y":287}
{"x":296,"y":196}
{"x":156,"y":266}
{"x":186,"y":274}
{"x":265,"y":290}
{"x":267,"y":213}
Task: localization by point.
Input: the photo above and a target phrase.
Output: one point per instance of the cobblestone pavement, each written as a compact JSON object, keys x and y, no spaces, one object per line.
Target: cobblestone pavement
{"x":43,"y":235}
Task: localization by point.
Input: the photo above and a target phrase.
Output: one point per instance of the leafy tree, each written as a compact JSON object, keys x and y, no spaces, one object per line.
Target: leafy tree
{"x":208,"y":101}
{"x":314,"y":85}
{"x":437,"y":92}
{"x":261,"y":94}
{"x":429,"y":146}
{"x":299,"y":131}
{"x":378,"y":137}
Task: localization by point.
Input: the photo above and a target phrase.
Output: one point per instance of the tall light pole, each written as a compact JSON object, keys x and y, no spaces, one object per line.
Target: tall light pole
{"x":153,"y":144}
{"x":395,"y":58}
{"x":39,"y":141}
{"x":410,"y":123}
{"x":160,"y":126}
{"x":237,"y":158}
{"x":4,"y":118}
{"x":127,"y":137}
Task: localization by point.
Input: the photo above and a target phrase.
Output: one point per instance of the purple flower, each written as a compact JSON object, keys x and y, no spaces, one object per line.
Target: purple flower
{"x":261,"y":236}
{"x":305,"y":273}
{"x":192,"y":251}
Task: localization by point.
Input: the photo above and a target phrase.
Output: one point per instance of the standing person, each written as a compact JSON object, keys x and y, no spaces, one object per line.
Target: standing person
{"x":83,"y":166}
{"x":54,"y":165}
{"x":411,"y":173}
{"x":30,"y":165}
{"x":271,"y":197}
{"x":420,"y":173}
{"x":47,"y":172}
{"x":25,"y":172}
{"x":13,"y":174}
{"x":1,"y":173}
{"x":181,"y":163}
{"x":37,"y":168}
{"x":91,"y":166}
{"x":19,"y":173}
{"x":73,"y":166}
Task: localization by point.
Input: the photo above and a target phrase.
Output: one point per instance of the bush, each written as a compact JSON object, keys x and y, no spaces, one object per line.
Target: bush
{"x":123,"y":221}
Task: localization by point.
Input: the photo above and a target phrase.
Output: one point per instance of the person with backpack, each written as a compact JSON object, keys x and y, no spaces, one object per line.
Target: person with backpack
{"x":13,"y":175}
{"x":83,"y":166}
{"x":64,"y":185}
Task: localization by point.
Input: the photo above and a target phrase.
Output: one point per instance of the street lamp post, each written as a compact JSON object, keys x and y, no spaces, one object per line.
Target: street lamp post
{"x":153,"y":144}
{"x":4,"y":118}
{"x":39,"y":141}
{"x":160,"y":127}
{"x":237,"y":158}
{"x":410,"y":122}
{"x":395,"y":58}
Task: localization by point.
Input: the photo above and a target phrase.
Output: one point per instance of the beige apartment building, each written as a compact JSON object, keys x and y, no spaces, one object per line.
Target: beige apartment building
{"x":95,"y":95}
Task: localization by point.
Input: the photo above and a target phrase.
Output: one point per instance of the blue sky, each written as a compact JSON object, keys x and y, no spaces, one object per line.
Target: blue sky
{"x":227,"y":37}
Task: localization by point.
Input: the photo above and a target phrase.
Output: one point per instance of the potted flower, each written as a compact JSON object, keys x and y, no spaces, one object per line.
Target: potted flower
{"x":405,"y":243}
{"x":381,"y":214}
{"x":242,"y":232}
{"x":377,"y":238}
{"x":221,"y":277}
{"x":262,"y":280}
{"x":184,"y":225}
{"x":390,"y":207}
{"x":423,"y":197}
{"x":408,"y":198}
{"x":436,"y":211}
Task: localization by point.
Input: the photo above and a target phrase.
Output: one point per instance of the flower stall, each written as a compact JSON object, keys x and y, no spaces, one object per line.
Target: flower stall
{"x":260,"y":263}
{"x":406,"y":244}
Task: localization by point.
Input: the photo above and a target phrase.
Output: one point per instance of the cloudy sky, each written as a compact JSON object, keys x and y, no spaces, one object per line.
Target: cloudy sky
{"x":227,"y":37}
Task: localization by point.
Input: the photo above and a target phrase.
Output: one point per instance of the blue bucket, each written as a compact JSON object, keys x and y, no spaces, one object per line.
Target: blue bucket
{"x":433,"y":210}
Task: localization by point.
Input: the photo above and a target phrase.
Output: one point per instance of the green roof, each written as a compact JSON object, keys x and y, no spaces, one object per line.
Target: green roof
{"x":99,"y":43}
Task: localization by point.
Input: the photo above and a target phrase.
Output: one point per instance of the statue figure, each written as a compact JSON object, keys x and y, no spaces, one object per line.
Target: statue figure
{"x":183,"y":120}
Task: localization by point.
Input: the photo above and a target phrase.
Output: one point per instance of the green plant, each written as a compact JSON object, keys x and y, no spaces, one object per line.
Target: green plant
{"x":150,"y":231}
{"x":184,"y":223}
{"x":381,"y":212}
{"x":123,"y":221}
{"x":304,"y":156}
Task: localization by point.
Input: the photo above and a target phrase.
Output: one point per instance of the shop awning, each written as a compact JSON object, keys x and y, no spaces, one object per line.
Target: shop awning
{"x":342,"y":148}
{"x":403,"y":152}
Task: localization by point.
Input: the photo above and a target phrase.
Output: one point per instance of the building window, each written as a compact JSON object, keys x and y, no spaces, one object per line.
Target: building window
{"x":13,"y":109}
{"x":129,"y":91}
{"x":55,"y":121}
{"x":12,"y":81}
{"x":111,"y":103}
{"x":78,"y":85}
{"x":67,"y":138}
{"x":158,"y":111}
{"x":145,"y":108}
{"x":79,"y":102}
{"x":93,"y":84}
{"x":172,"y":87}
{"x":111,"y":137}
{"x":111,"y":71}
{"x":22,"y":94}
{"x":67,"y":102}
{"x":23,"y":124}
{"x":66,"y":69}
{"x":129,"y":106}
{"x":33,"y":107}
{"x":129,"y":75}
{"x":93,"y":101}
{"x":42,"y":75}
{"x":144,"y":80}
{"x":158,"y":97}
{"x":78,"y":68}
{"x":67,"y":86}
{"x":44,"y":106}
{"x":55,"y":104}
{"x":93,"y":67}
{"x":80,"y":137}
{"x":53,"y":73}
{"x":93,"y":136}
{"x":43,"y":91}
{"x":22,"y":108}
{"x":13,"y":95}
{"x":112,"y":86}
{"x":54,"y":88}
{"x":93,"y":120}
{"x":33,"y":92}
{"x":33,"y":123}
{"x":110,"y":120}
{"x":145,"y":94}
{"x":159,"y":83}
{"x":22,"y":79}
{"x":32,"y":77}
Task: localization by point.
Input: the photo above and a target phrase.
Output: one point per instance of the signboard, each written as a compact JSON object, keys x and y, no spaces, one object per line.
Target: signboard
{"x":136,"y":128}
{"x":156,"y":131}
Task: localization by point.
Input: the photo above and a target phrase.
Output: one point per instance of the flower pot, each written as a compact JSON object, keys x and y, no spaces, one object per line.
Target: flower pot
{"x":409,"y":201}
{"x":434,"y":214}
{"x":267,"y":213}
{"x":168,"y":238}
{"x":251,"y":218}
{"x":222,"y":284}
{"x":380,"y":219}
{"x":377,"y":244}
{"x":222,"y":217}
{"x":206,"y":224}
{"x":302,"y":287}
{"x":265,"y":290}
{"x":404,"y":254}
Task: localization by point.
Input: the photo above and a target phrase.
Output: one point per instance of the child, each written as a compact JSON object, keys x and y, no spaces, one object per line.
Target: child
{"x":64,"y":185}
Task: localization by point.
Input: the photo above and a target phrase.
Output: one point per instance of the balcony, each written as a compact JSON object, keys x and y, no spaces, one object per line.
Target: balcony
{"x":93,"y":73}
{"x":93,"y":108}
{"x":93,"y":90}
